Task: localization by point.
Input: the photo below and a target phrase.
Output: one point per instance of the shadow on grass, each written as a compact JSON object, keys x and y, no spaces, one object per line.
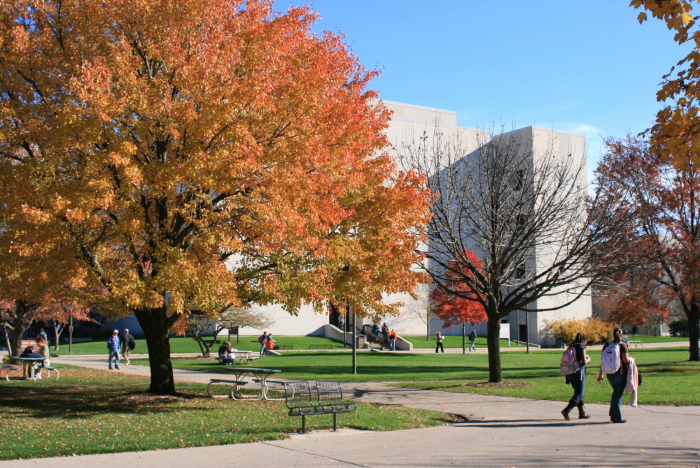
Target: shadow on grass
{"x":69,"y":402}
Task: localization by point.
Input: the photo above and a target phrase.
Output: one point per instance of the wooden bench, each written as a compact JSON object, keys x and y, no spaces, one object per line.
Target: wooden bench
{"x":234,"y":386}
{"x":325,"y":397}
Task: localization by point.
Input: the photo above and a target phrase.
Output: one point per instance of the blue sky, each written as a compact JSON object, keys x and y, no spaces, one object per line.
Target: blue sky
{"x":587,"y":67}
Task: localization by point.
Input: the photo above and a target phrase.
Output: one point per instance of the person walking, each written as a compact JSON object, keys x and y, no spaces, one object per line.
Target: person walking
{"x":43,"y":334}
{"x":113,"y":346}
{"x":262,"y":340}
{"x":472,"y":338}
{"x":385,"y":332}
{"x":578,"y":379}
{"x":341,"y":322}
{"x":392,"y":340}
{"x":128,"y":344}
{"x":439,"y":339}
{"x":617,"y":379}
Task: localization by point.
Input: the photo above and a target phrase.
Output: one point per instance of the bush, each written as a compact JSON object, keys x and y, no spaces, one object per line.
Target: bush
{"x":679,"y":328}
{"x":595,"y":329}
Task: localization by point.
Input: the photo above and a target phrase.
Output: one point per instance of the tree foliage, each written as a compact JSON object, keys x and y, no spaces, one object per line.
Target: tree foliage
{"x":200,"y":154}
{"x":676,"y":134}
{"x":665,"y":230}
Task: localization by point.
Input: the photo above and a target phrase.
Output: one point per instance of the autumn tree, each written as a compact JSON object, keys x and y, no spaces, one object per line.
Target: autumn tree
{"x":676,"y":134}
{"x":201,"y":154}
{"x":59,"y":315}
{"x":665,"y":231}
{"x":525,"y":212}
{"x":456,"y":309}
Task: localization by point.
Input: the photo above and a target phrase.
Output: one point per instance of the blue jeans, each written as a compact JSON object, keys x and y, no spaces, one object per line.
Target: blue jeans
{"x":473,"y":346}
{"x":618,"y":380}
{"x":115,"y":355}
{"x":262,"y":350}
{"x":578,"y":381}
{"x":392,"y":345}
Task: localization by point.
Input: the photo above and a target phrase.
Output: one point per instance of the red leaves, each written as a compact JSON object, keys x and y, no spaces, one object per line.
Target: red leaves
{"x":454,"y":302}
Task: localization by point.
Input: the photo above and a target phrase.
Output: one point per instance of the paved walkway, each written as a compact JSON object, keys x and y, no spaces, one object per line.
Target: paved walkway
{"x":507,"y":432}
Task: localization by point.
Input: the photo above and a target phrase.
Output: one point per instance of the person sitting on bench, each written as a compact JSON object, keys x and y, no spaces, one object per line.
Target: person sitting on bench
{"x":226,"y":353}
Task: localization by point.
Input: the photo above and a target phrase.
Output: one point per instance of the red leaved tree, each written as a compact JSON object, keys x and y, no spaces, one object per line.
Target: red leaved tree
{"x":665,"y":232}
{"x":456,"y":309}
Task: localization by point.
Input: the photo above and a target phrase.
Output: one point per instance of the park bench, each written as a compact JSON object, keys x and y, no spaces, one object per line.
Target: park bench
{"x":320,"y":346}
{"x":234,"y":386}
{"x":325,"y":397}
{"x":284,"y":346}
{"x":11,"y":372}
{"x":636,"y":343}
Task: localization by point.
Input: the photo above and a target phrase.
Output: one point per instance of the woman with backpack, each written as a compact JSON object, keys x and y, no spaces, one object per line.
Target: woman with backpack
{"x":614,"y":362}
{"x":578,"y":379}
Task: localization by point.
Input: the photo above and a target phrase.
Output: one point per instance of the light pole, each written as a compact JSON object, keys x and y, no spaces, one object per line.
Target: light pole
{"x":354,"y":339}
{"x":527,"y":329}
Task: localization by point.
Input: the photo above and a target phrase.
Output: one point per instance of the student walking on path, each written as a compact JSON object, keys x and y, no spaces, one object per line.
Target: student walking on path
{"x":472,"y":338}
{"x":113,"y":346}
{"x":439,"y":339}
{"x":578,"y":379}
{"x":128,"y":344}
{"x":618,"y":358}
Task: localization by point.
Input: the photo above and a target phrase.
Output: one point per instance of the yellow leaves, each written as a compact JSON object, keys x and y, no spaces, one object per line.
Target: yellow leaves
{"x":642,"y":17}
{"x":686,"y":18}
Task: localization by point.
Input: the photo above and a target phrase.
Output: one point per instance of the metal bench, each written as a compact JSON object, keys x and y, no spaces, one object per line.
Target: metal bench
{"x":325,"y":397}
{"x":320,"y":346}
{"x":235,"y":384}
{"x":284,"y":346}
{"x":237,"y":360}
{"x":10,"y":372}
{"x":636,"y":343}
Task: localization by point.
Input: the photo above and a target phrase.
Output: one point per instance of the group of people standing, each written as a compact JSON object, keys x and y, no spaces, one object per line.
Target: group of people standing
{"x":622,"y":376}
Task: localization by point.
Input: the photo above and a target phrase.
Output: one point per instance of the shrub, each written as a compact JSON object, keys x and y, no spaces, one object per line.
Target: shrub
{"x":595,"y":329}
{"x":679,"y":327}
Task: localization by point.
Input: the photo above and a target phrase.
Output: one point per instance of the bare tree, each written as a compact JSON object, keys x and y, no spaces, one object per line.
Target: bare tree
{"x":200,"y":326}
{"x":527,"y":214}
{"x":420,"y":308}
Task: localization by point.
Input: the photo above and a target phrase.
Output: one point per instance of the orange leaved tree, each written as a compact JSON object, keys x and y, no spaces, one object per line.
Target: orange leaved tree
{"x":455,"y":301}
{"x":201,"y":154}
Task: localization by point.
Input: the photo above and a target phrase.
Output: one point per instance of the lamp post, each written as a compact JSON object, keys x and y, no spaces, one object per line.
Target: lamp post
{"x":527,"y":329}
{"x":354,"y":339}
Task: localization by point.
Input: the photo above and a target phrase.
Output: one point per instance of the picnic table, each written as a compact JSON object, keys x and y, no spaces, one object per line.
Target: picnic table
{"x":259,"y":375}
{"x":240,"y":357}
{"x":32,"y":362}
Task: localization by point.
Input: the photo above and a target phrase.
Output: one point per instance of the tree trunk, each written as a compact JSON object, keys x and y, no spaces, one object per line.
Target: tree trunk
{"x":494,"y":343}
{"x":57,"y":330}
{"x":464,"y":338}
{"x":694,"y":329}
{"x":156,"y":326}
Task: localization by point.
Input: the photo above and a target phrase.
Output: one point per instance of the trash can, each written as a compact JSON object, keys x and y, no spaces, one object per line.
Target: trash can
{"x":560,"y":343}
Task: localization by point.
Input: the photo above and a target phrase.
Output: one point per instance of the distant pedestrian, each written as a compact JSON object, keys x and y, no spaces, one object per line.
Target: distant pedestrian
{"x":43,"y":334}
{"x":385,"y":332}
{"x":439,"y":339}
{"x":269,"y":343}
{"x":262,"y":340}
{"x":578,"y":379}
{"x":472,"y":338}
{"x":341,"y":322}
{"x":392,"y":340}
{"x":128,"y":344}
{"x":113,"y":346}
{"x":617,"y":379}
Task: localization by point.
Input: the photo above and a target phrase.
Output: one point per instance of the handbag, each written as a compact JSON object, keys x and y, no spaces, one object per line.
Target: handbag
{"x":640,"y":380}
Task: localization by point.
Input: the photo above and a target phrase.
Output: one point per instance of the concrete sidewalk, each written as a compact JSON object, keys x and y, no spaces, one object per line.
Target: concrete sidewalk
{"x":500,"y":432}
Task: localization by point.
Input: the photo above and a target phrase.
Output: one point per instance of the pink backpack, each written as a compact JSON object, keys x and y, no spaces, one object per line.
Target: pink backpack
{"x":569,"y":363}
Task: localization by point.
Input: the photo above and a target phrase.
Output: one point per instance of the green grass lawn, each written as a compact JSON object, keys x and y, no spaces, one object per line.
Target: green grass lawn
{"x":657,"y":339}
{"x":668,"y":377}
{"x":188,"y":345}
{"x":452,"y":341}
{"x":93,"y":411}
